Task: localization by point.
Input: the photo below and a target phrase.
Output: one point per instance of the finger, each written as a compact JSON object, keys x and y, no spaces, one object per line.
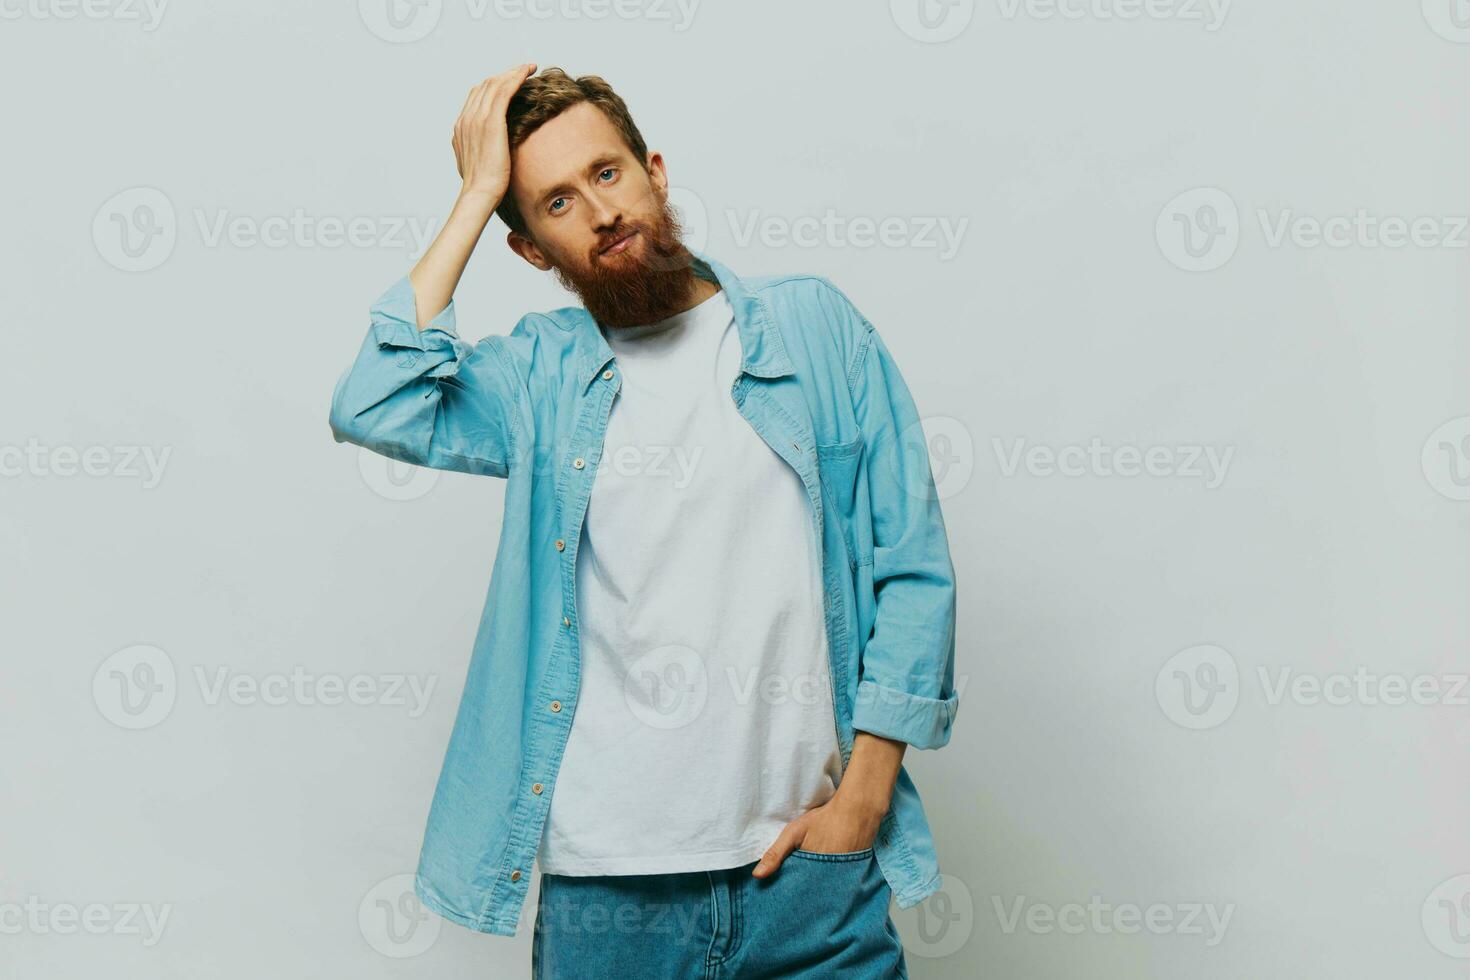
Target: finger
{"x":475,"y":107}
{"x":506,"y":86}
{"x":499,"y":104}
{"x":512,"y":77}
{"x":470,"y":98}
{"x":519,"y":73}
{"x":786,"y":842}
{"x":486,"y":92}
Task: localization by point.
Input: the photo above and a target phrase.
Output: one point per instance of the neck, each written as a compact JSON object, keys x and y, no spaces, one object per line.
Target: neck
{"x":699,"y":291}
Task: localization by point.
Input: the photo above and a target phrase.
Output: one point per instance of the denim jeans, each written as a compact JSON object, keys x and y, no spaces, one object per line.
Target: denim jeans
{"x":819,"y":915}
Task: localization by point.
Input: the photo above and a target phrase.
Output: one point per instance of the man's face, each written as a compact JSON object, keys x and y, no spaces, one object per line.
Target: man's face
{"x":599,"y":218}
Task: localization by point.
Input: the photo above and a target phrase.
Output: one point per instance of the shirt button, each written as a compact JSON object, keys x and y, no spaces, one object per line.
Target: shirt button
{"x":561,"y":545}
{"x":537,"y":788}
{"x":565,"y":621}
{"x":607,"y":375}
{"x":515,"y":876}
{"x":556,"y":706}
{"x":578,"y":463}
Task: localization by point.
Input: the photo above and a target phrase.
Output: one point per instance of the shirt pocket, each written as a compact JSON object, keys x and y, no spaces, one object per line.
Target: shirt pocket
{"x":840,"y":469}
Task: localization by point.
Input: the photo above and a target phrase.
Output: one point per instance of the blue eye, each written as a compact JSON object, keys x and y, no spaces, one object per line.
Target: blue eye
{"x":609,"y":170}
{"x":554,"y":206}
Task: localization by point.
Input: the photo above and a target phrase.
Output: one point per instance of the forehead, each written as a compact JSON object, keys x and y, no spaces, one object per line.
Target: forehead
{"x":563,"y":148}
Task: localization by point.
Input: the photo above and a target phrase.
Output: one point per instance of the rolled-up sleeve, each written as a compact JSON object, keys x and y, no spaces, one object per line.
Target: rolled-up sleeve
{"x":426,"y":396}
{"x":906,"y":687}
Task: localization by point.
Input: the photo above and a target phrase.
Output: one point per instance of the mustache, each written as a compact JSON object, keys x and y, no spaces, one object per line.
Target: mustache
{"x":617,"y":234}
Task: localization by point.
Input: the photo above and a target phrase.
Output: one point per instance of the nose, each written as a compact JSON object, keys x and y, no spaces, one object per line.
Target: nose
{"x":605,"y":213}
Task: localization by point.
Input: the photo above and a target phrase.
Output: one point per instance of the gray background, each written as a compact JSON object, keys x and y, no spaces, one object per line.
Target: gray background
{"x":1123,"y":739}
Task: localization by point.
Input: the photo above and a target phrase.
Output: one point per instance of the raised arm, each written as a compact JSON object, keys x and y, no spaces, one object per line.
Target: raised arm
{"x":416,"y":391}
{"x":482,"y":153}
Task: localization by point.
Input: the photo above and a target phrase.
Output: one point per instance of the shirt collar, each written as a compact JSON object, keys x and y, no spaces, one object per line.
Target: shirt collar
{"x":763,"y":353}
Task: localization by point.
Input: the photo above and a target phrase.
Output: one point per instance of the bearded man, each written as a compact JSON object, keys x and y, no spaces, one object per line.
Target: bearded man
{"x":722,"y":605}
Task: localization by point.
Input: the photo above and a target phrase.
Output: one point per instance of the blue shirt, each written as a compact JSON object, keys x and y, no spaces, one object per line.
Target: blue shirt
{"x":819,"y":386}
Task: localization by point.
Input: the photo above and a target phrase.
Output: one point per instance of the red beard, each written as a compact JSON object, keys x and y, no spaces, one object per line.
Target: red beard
{"x":649,"y":280}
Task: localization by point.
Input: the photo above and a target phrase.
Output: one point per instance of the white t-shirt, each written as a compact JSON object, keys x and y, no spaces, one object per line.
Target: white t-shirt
{"x":705,"y":720}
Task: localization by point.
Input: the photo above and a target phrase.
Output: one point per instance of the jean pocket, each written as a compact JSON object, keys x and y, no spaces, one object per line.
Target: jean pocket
{"x":862,"y":855}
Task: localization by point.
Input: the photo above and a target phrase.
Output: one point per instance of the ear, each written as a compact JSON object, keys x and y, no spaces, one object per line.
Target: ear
{"x":657,"y":174}
{"x":526,"y":249}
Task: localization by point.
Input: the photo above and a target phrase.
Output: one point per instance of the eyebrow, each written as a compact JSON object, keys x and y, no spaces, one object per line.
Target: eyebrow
{"x":601,"y":163}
